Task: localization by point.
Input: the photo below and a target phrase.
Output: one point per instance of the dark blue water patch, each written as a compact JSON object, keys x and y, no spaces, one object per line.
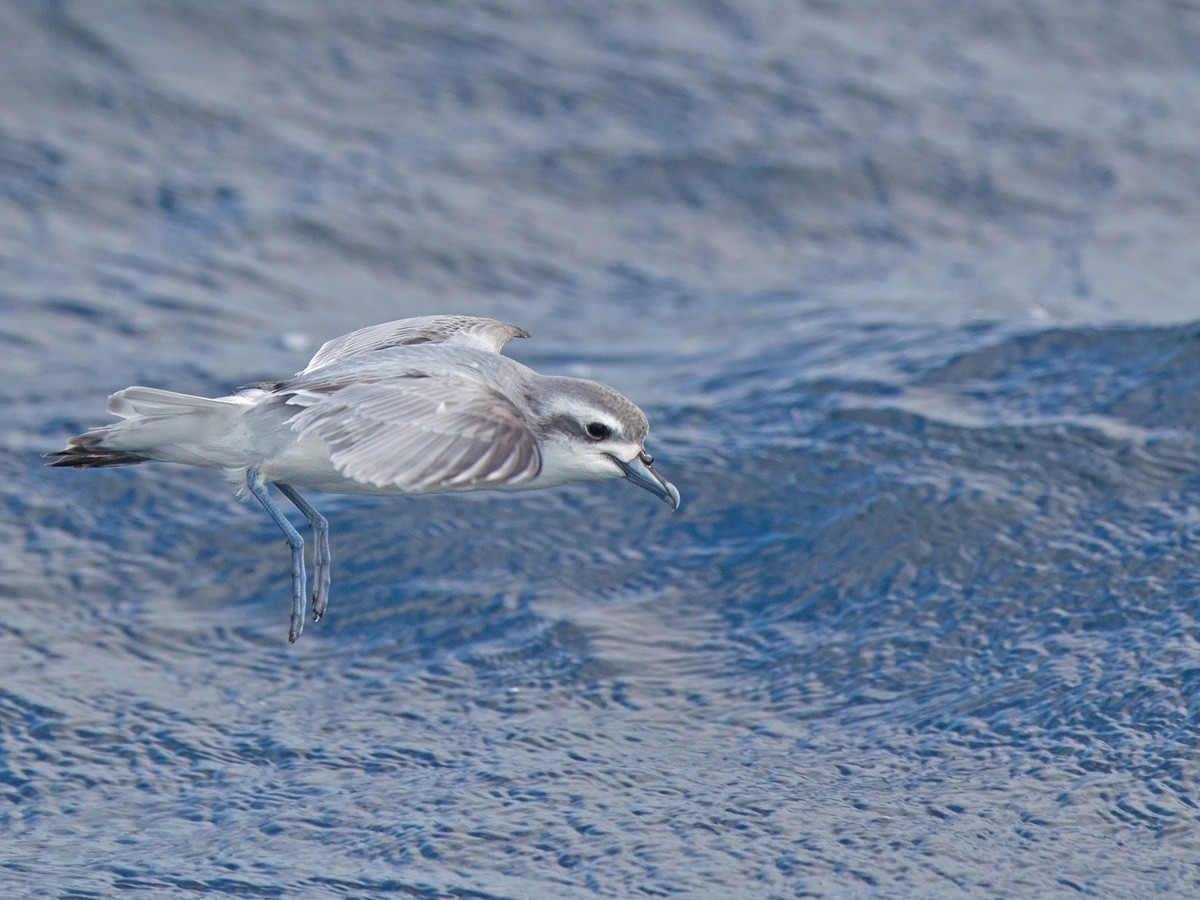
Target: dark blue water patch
{"x":24,"y":722}
{"x":28,"y":170}
{"x":923,"y":582}
{"x":1142,"y":377}
{"x":96,"y":318}
{"x":207,"y":213}
{"x":1033,"y":582}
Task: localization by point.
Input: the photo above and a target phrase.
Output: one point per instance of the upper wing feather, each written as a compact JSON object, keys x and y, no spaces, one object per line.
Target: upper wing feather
{"x":421,"y":433}
{"x":468,"y":331}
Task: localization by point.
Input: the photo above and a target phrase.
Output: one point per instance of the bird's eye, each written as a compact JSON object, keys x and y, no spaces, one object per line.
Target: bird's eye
{"x":597,"y":431}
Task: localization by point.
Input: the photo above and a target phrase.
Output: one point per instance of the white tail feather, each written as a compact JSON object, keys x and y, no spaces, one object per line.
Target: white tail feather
{"x":173,"y":427}
{"x":152,"y":403}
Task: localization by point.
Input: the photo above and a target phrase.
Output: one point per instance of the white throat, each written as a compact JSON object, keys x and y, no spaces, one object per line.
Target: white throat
{"x":565,"y":460}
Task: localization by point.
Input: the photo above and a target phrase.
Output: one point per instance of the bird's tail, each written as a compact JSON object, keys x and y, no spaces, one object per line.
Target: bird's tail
{"x":155,"y":424}
{"x":88,"y":452}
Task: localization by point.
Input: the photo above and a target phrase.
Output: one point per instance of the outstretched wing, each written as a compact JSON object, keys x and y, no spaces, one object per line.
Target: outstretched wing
{"x":422,"y":433}
{"x":464,"y":331}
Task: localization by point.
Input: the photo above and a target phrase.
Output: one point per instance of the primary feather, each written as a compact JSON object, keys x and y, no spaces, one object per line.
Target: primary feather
{"x":465,"y":331}
{"x":420,"y":433}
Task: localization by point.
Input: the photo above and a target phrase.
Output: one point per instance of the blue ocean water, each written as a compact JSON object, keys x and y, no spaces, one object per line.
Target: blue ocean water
{"x":908,"y":293}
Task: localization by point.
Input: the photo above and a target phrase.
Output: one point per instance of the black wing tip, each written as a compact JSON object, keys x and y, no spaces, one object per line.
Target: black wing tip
{"x":91,"y":458}
{"x":268,"y":386}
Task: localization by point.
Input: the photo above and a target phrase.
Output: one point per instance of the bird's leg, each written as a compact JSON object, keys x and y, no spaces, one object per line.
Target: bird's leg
{"x":321,"y":555}
{"x":259,"y":489}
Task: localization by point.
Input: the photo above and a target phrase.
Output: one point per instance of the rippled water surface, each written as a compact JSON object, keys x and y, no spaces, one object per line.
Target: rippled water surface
{"x":908,"y":292}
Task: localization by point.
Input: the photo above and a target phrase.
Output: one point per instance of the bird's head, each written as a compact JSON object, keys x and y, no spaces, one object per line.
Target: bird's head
{"x":587,"y":430}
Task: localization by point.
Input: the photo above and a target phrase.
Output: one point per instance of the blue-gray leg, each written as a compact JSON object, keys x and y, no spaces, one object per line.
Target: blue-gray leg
{"x":321,"y":556}
{"x":255,"y":483}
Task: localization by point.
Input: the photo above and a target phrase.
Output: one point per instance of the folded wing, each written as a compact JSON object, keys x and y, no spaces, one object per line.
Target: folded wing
{"x":465,"y":331}
{"x":420,"y":433}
